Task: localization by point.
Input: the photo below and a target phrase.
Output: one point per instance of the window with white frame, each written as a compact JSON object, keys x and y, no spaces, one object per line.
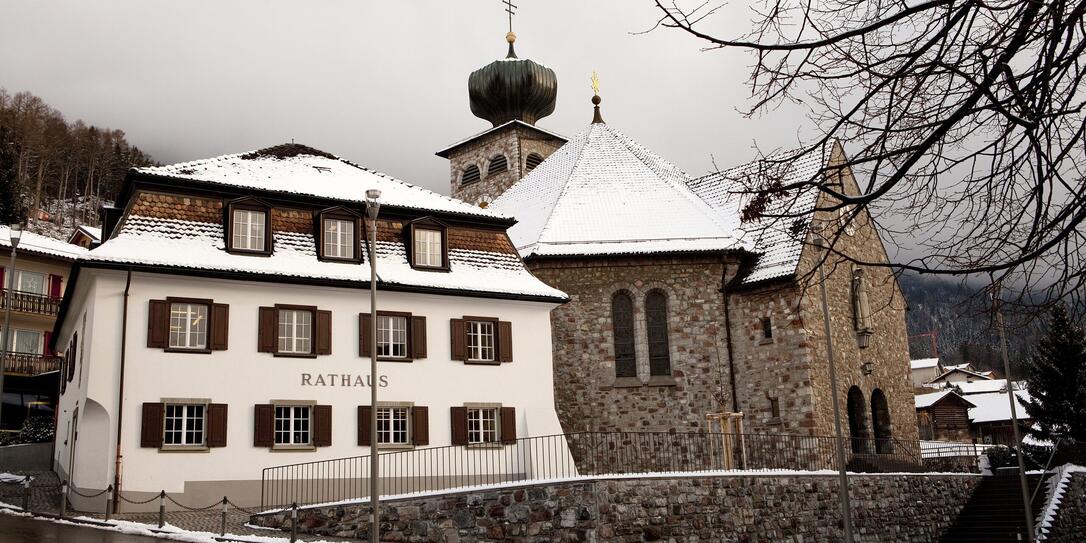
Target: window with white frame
{"x":392,"y":426}
{"x":427,"y":247}
{"x":28,"y":281}
{"x":248,"y":230}
{"x":392,"y":336}
{"x":188,"y":326}
{"x":292,"y":424}
{"x":295,"y":331}
{"x":339,"y":238}
{"x":25,"y":341}
{"x":482,"y":425}
{"x":184,"y":425}
{"x":480,"y":340}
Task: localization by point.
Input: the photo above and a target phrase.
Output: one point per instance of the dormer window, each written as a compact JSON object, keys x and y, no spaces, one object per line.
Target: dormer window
{"x":428,"y":248}
{"x":338,"y":230}
{"x":248,"y":226}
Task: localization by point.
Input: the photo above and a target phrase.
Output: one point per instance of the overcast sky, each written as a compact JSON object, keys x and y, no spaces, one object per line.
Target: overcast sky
{"x":381,"y":83}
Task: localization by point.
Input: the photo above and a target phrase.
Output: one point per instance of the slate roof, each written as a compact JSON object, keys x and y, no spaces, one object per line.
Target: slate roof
{"x":778,"y":242}
{"x":603,"y":194}
{"x":33,"y":243}
{"x":295,"y":169}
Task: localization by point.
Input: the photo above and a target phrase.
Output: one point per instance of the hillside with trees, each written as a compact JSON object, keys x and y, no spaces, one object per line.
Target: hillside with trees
{"x":56,"y":173}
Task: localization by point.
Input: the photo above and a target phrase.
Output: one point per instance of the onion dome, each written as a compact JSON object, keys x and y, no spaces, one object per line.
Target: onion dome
{"x":512,"y":89}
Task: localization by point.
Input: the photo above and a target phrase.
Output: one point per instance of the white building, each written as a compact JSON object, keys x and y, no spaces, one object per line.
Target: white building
{"x":217,"y":330}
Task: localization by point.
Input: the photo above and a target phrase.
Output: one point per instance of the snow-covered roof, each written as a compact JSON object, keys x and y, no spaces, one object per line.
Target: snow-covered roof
{"x":959,"y":370}
{"x":778,"y":242}
{"x":994,"y":406}
{"x":192,"y":245}
{"x":42,"y":245}
{"x":444,"y":153}
{"x":928,"y":400}
{"x":299,"y":170}
{"x":93,"y":232}
{"x":603,"y":194}
{"x":924,"y":363}
{"x":982,"y":386}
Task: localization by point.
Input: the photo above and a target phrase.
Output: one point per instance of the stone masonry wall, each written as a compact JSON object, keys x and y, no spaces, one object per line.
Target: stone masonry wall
{"x":515,"y":143}
{"x":587,"y":395}
{"x":890,"y":508}
{"x":888,"y":352}
{"x":1070,"y":523}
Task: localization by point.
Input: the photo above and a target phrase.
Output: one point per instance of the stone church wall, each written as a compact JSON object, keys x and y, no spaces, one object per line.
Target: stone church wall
{"x":587,"y":395}
{"x":514,"y":142}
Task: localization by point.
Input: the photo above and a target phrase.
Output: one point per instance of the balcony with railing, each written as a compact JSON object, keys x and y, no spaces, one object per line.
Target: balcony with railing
{"x":30,"y":364}
{"x":29,"y":302}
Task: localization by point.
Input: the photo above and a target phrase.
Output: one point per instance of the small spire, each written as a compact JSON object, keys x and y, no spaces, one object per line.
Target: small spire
{"x":511,"y":37}
{"x":596,"y":117}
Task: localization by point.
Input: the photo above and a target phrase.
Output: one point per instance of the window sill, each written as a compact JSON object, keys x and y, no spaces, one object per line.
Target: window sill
{"x":766,"y":341}
{"x":482,"y":362}
{"x":295,"y":355}
{"x":431,"y":268}
{"x":292,"y":448}
{"x":626,"y":382}
{"x":186,"y":351}
{"x":184,"y":449}
{"x":775,"y":421}
{"x":661,"y":381}
{"x":489,"y":445}
{"x":395,"y":447}
{"x":393,"y":359}
{"x":249,"y":252}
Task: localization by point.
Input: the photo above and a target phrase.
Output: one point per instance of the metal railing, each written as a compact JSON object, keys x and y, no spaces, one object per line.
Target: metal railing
{"x":571,"y":455}
{"x":29,"y":302}
{"x":29,"y":364}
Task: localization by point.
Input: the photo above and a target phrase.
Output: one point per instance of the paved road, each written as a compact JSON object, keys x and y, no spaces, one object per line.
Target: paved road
{"x":24,"y":530}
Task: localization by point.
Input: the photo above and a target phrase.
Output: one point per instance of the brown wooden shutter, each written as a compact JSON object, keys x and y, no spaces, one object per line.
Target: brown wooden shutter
{"x":420,"y":425}
{"x":418,"y":337}
{"x":322,"y":425}
{"x":324,"y":332}
{"x":216,"y":425}
{"x":268,"y":330}
{"x":365,"y":418}
{"x":459,"y":337}
{"x":73,"y":356}
{"x":264,"y":425}
{"x":459,"y":416}
{"x":220,"y":326}
{"x":151,"y":426}
{"x":365,"y":330}
{"x":505,"y":341}
{"x":158,"y":324}
{"x":509,"y":425}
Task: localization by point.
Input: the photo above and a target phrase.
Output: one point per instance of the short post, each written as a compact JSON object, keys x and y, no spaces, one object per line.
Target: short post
{"x":109,"y":500}
{"x":222,"y":525}
{"x":162,"y":509}
{"x":63,"y":498}
{"x":294,"y":522}
{"x":26,"y":494}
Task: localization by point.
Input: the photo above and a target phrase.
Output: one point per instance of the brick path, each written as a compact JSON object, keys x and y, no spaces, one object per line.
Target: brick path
{"x":45,"y":497}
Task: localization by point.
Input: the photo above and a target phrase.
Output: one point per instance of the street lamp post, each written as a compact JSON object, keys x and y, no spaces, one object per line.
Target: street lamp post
{"x":372,"y":207}
{"x":15,"y":233}
{"x":846,"y":507}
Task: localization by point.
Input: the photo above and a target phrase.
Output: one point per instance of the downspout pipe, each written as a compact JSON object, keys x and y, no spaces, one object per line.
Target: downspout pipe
{"x":726,"y":295}
{"x":120,"y":391}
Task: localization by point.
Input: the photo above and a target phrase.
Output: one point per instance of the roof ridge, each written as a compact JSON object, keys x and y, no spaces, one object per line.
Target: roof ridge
{"x":565,"y":182}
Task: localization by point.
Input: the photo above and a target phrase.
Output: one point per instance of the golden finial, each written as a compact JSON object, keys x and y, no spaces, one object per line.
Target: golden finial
{"x":510,"y":37}
{"x":595,"y":83}
{"x":596,"y":117}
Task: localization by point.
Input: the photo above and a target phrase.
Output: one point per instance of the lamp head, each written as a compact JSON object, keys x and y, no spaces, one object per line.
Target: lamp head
{"x":373,"y":194}
{"x":16,"y":232}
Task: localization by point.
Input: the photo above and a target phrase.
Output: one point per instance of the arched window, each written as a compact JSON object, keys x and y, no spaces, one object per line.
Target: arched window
{"x":656,"y":321}
{"x":880,"y":421}
{"x":857,"y":421}
{"x":622,"y":325}
{"x":470,"y":175}
{"x":533,"y":160}
{"x":498,"y":165}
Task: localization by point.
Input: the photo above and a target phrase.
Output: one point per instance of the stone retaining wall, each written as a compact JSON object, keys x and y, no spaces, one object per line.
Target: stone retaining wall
{"x":1070,"y":523}
{"x":898,"y":508}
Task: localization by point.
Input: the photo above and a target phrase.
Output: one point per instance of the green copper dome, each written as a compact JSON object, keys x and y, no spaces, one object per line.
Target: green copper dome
{"x":512,"y":89}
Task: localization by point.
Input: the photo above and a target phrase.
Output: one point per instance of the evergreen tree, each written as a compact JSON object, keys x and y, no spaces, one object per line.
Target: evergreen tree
{"x":1057,"y":384}
{"x":11,"y":209}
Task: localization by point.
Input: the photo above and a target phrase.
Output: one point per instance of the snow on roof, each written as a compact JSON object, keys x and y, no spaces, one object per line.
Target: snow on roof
{"x":983,"y":386}
{"x":444,"y":153}
{"x":297,"y":169}
{"x":928,"y":400}
{"x":994,"y":406}
{"x":39,"y":244}
{"x":199,"y":245}
{"x":960,"y":370}
{"x":924,"y":363}
{"x":779,"y":242}
{"x":602,"y":193}
{"x":93,"y":232}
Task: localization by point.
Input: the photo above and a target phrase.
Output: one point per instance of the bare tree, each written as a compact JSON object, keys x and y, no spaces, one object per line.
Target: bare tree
{"x":963,"y":120}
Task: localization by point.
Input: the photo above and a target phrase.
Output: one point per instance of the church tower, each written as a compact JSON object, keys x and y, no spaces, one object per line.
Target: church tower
{"x":512,"y":93}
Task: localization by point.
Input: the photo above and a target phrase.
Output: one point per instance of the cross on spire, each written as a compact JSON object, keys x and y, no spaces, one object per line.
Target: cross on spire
{"x":511,"y":9}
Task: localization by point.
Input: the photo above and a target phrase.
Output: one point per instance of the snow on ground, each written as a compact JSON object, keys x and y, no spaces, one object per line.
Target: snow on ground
{"x":1055,"y":497}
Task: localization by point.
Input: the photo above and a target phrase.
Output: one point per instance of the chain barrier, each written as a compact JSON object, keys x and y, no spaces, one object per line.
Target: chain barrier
{"x":242,"y":509}
{"x":135,"y":502}
{"x":82,"y":495}
{"x":187,"y":508}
